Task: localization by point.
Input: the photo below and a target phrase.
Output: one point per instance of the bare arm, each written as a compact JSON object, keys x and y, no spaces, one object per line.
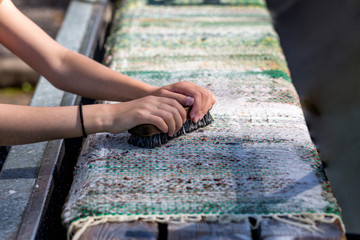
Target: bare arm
{"x":65,"y":69}
{"x":78,"y":74}
{"x":75,"y":73}
{"x":25,"y":124}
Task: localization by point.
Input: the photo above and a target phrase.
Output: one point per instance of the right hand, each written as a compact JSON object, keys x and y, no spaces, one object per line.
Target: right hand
{"x":189,"y":94}
{"x":165,"y":113}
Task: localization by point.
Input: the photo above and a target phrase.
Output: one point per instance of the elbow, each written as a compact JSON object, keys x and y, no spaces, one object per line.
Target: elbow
{"x":56,"y":73}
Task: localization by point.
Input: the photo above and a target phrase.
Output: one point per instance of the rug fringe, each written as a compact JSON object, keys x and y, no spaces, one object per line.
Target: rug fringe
{"x":306,"y":220}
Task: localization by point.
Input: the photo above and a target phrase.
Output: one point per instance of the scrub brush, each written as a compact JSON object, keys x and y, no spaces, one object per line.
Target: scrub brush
{"x":149,"y":136}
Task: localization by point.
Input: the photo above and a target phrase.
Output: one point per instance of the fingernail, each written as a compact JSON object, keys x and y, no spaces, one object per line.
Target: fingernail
{"x":189,"y":101}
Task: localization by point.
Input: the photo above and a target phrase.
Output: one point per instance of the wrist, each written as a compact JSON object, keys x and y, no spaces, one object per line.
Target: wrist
{"x":82,"y":121}
{"x":97,"y":118}
{"x":151,"y":90}
{"x":133,"y":89}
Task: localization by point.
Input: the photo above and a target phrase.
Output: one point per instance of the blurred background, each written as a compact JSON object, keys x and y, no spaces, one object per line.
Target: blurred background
{"x":321,"y":42}
{"x":17,"y":79}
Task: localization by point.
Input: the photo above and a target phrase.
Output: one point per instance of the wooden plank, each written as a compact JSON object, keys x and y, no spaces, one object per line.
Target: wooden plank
{"x":124,"y":231}
{"x":272,"y":229}
{"x":210,"y":231}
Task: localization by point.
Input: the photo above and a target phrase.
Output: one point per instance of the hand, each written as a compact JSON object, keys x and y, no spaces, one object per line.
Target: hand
{"x":189,"y":94}
{"x":166,"y":114}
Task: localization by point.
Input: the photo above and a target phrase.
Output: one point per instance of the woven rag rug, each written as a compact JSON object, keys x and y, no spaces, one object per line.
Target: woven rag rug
{"x":256,"y":159}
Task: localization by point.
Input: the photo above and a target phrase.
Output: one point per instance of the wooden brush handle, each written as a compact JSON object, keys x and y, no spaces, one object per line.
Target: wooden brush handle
{"x":147,"y":130}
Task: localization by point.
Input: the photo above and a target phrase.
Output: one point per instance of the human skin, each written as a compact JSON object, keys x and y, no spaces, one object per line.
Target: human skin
{"x":140,"y":103}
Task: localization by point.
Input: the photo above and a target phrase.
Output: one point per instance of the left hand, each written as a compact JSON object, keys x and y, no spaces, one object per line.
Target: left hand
{"x":189,"y":94}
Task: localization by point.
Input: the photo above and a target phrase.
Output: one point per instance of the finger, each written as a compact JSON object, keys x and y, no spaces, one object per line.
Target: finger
{"x":196,"y":111}
{"x":199,"y":94}
{"x":176,"y":105}
{"x":184,"y":100}
{"x":208,"y":101}
{"x":171,"y":106}
{"x":158,"y":122}
{"x":168,"y":118}
{"x":203,"y":98}
{"x":185,"y":88}
{"x":213,"y":99}
{"x":172,"y":117}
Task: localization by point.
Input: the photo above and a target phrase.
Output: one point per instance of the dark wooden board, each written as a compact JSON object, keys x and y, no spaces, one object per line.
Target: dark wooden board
{"x":272,"y":229}
{"x":210,"y":231}
{"x":124,"y":231}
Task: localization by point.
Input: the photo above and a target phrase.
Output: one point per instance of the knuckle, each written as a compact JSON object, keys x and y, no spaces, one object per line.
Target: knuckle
{"x":145,"y":106}
{"x":207,"y":93}
{"x":187,"y":82}
{"x":141,"y":114}
{"x":168,"y":116}
{"x":197,"y":94}
{"x":151,"y":98}
{"x":174,"y":112}
{"x":162,"y":91}
{"x":172,"y":101}
{"x":159,"y":123}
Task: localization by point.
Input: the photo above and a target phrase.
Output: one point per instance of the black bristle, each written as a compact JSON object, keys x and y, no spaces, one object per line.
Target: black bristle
{"x":162,"y":138}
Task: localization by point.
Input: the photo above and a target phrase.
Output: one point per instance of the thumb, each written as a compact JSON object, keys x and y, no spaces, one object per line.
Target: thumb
{"x":184,"y":100}
{"x":189,"y":101}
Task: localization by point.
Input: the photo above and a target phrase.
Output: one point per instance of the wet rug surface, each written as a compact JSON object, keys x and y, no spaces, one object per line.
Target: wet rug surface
{"x":255,"y":159}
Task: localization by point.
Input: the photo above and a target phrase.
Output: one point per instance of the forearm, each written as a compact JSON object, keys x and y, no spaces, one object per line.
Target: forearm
{"x":65,"y":69}
{"x":25,"y":124}
{"x":80,"y":75}
{"x":85,"y":77}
